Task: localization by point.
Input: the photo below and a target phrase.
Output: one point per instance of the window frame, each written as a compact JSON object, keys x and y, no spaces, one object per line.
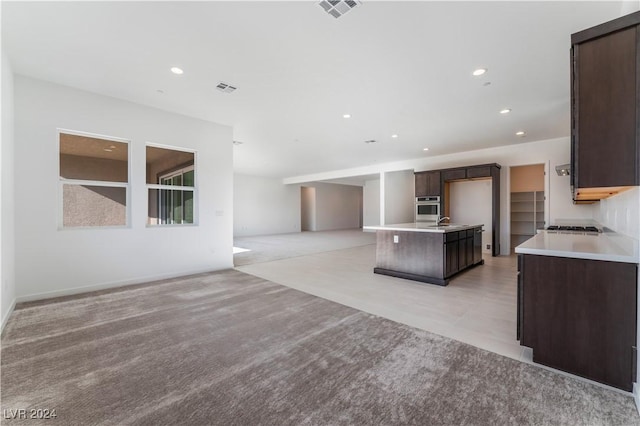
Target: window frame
{"x":81,"y":182}
{"x":170,"y":172}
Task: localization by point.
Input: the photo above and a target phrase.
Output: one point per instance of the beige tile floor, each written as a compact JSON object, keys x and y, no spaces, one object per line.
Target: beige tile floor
{"x":478,"y":306}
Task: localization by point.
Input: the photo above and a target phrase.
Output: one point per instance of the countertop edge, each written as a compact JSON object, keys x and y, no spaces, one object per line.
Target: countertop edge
{"x":579,"y":255}
{"x":405,"y":228}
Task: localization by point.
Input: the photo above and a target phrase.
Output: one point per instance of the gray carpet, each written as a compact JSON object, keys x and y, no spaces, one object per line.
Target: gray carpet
{"x":228,"y":348}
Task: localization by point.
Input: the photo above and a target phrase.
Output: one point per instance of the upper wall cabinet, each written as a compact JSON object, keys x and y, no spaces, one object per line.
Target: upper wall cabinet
{"x":427,"y":184}
{"x":605,"y":99}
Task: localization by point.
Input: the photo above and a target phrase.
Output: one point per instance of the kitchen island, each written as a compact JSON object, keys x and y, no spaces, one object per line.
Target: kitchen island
{"x":426,"y":252}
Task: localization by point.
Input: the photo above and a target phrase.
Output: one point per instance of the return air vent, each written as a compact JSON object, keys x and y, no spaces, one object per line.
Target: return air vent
{"x":337,"y":8}
{"x":224,"y":87}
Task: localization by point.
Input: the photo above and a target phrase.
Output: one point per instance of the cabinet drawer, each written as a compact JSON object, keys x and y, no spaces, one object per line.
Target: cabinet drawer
{"x":454,"y":174}
{"x":452,"y":236}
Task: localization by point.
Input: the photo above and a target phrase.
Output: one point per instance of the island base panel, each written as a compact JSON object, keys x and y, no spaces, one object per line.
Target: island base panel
{"x":413,"y":277}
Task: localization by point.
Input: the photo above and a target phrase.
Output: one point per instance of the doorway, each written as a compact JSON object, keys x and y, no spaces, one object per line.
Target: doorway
{"x":307,"y":208}
{"x":527,"y":211}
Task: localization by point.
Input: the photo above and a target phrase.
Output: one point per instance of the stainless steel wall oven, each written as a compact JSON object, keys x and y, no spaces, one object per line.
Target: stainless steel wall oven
{"x":427,"y":209}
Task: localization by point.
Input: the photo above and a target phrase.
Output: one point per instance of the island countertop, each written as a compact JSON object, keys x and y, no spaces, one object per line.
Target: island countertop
{"x":421,"y":227}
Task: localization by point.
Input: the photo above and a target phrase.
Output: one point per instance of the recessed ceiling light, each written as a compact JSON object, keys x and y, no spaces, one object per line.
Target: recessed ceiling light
{"x":112,"y":147}
{"x":176,"y":70}
{"x":108,"y":150}
{"x":505,"y":111}
{"x":394,"y":136}
{"x":425,"y":149}
{"x":346,"y":116}
{"x":520,"y":133}
{"x":479,"y":71}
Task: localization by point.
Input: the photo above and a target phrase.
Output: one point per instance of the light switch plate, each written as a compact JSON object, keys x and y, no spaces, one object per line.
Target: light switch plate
{"x":396,"y":239}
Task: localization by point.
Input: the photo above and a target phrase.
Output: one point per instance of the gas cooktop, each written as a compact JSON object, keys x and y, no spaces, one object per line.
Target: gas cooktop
{"x":571,"y":228}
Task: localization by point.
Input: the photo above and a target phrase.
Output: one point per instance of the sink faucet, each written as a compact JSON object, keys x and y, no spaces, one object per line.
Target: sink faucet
{"x":443,"y":218}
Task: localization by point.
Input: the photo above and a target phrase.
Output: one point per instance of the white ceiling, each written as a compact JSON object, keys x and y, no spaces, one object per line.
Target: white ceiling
{"x":397,"y":67}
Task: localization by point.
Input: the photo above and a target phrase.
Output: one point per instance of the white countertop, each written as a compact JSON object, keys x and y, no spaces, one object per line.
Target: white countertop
{"x":608,"y":246}
{"x":421,"y":227}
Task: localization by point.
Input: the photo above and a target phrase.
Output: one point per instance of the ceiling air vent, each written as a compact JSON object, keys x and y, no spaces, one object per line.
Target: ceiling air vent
{"x":337,"y":8}
{"x":224,"y":87}
{"x":237,"y":143}
{"x":370,"y":141}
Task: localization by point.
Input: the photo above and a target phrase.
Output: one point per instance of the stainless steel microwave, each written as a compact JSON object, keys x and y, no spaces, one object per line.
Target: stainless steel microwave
{"x":427,"y":209}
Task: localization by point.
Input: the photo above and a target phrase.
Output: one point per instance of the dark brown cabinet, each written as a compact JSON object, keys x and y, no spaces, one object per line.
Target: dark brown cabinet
{"x":451,"y":252}
{"x":479,"y":172}
{"x":477,"y":245}
{"x":465,"y":249}
{"x":427,"y":184}
{"x":605,"y":131}
{"x":460,"y":250}
{"x":456,"y":174}
{"x":579,"y":316}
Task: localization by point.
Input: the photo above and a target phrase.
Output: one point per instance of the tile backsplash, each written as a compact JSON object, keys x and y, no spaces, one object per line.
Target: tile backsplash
{"x":621,"y":212}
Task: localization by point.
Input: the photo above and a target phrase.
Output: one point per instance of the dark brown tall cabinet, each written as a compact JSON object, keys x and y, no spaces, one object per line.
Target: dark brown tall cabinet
{"x":427,"y":184}
{"x":605,"y":131}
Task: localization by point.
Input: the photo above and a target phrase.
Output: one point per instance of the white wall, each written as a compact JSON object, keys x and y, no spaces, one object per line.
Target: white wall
{"x":371,"y":202}
{"x":621,"y":213}
{"x":399,"y":197}
{"x":337,"y":206}
{"x":552,"y":152}
{"x":629,"y":6}
{"x":264,"y":206}
{"x":468,"y":205}
{"x":52,"y":262}
{"x":7,"y":218}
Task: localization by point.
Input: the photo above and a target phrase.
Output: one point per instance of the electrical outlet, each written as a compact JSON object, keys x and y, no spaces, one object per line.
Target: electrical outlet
{"x":488,"y":246}
{"x":396,"y":239}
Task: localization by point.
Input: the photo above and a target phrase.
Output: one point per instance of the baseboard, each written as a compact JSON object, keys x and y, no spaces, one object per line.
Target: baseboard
{"x":106,"y":286}
{"x":5,"y":319}
{"x":636,"y":396}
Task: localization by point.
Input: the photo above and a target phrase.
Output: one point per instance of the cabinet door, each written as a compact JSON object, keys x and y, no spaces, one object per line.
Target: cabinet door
{"x":477,"y":245}
{"x":433,"y":185}
{"x":469,"y":250}
{"x":605,"y":96}
{"x":519,"y":304}
{"x":580,"y":316}
{"x":457,"y":174}
{"x":450,"y":258}
{"x":462,"y":254}
{"x":479,"y":172}
{"x":422,"y":179}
